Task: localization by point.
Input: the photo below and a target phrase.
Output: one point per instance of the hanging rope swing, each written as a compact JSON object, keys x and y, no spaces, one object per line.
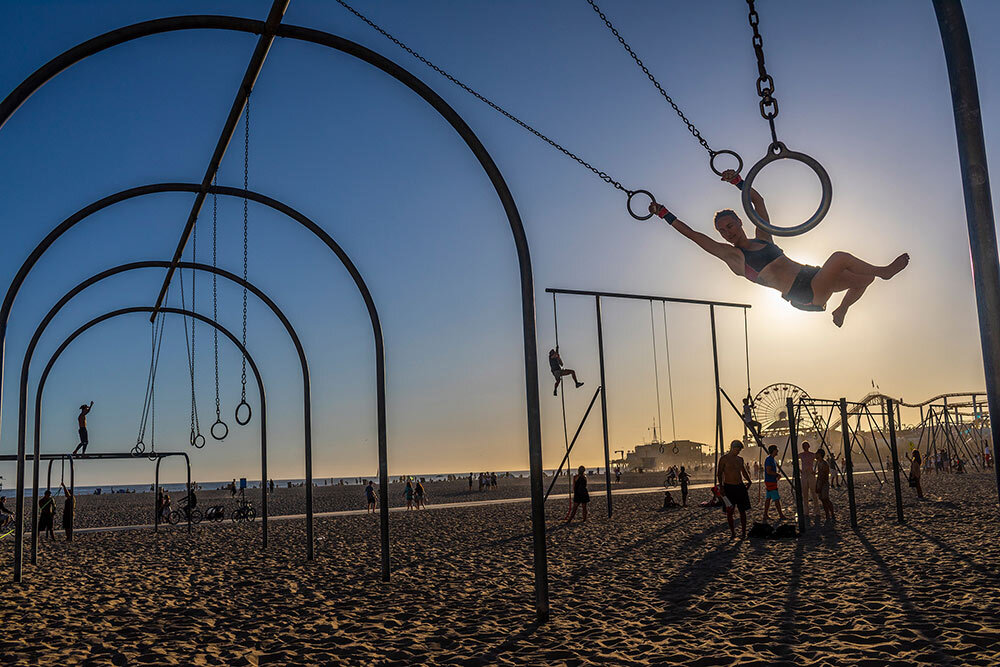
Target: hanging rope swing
{"x":156,"y":342}
{"x":656,"y":377}
{"x":768,"y":108}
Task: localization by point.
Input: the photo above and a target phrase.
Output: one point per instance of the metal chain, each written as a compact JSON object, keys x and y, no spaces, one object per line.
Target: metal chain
{"x":215,"y":294}
{"x":690,"y":126}
{"x":246,"y":187}
{"x":189,"y":345}
{"x":600,"y":174}
{"x":195,"y":425}
{"x":765,"y":84}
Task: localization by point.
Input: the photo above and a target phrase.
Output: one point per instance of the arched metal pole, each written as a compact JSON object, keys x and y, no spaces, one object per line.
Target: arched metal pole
{"x":19,"y":504}
{"x":978,"y":202}
{"x":327,"y":240}
{"x":103,"y":275}
{"x":158,"y":26}
{"x":156,"y":486}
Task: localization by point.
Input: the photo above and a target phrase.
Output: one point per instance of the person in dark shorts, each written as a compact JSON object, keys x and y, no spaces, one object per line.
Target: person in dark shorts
{"x":370,"y":495}
{"x":581,"y":496}
{"x":771,"y":472}
{"x":81,"y":421}
{"x":408,"y":494}
{"x":47,"y":515}
{"x":556,"y":366}
{"x":731,"y":473}
{"x":684,"y":479}
{"x":760,"y":261}
{"x":67,"y":518}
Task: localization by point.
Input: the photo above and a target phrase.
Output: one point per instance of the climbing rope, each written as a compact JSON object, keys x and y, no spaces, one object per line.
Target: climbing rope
{"x":670,"y":379}
{"x":562,"y":396}
{"x":656,"y":372}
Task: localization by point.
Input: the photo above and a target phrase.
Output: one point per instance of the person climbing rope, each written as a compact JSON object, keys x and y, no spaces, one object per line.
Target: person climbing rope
{"x":82,"y":422}
{"x":556,"y":366}
{"x":762,"y":262}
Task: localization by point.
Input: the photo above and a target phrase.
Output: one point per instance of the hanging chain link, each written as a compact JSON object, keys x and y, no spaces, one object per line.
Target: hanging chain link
{"x":215,"y":294}
{"x":765,"y":84}
{"x":690,"y":126}
{"x":600,"y":174}
{"x":195,"y":425}
{"x":246,"y":187}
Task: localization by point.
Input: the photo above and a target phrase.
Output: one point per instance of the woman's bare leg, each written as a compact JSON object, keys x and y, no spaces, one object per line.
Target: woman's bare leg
{"x":850,"y":298}
{"x":843,"y":271}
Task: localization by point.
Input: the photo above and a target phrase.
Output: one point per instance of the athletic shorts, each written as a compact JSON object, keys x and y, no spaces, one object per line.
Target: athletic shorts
{"x":823,"y":492}
{"x":738,"y":496}
{"x":800,"y":294}
{"x":772,"y":494}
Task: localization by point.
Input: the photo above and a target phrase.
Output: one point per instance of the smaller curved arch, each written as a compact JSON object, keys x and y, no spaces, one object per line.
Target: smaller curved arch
{"x":103,"y":275}
{"x":19,"y":499}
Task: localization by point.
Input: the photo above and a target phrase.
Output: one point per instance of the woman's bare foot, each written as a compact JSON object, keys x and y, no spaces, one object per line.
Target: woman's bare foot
{"x":838,"y":316}
{"x":887,"y":272}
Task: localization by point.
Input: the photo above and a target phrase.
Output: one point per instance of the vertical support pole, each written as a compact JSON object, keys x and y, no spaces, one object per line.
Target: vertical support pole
{"x":793,"y":440}
{"x":307,"y":398}
{"x":156,"y":495}
{"x":895,"y":462}
{"x":718,"y":397}
{"x":189,"y":511}
{"x":978,"y":204}
{"x":848,"y":463}
{"x":604,"y":401}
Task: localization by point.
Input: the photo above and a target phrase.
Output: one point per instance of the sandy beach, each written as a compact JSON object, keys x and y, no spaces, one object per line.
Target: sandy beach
{"x":647,"y":587}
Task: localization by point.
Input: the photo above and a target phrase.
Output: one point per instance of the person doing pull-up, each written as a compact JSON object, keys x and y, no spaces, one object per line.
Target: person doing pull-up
{"x":82,"y":421}
{"x":763,"y":262}
{"x":556,"y":366}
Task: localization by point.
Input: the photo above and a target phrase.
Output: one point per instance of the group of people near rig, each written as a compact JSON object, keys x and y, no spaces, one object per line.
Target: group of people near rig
{"x":814,"y":473}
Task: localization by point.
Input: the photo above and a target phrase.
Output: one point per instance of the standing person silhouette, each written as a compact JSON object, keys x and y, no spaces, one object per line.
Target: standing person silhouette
{"x":67,"y":518}
{"x":556,"y":366}
{"x":47,"y":515}
{"x":732,"y":470}
{"x":581,"y":496}
{"x":81,"y":420}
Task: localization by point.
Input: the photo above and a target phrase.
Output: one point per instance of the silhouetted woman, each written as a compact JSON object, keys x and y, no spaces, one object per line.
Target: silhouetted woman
{"x":580,"y":494}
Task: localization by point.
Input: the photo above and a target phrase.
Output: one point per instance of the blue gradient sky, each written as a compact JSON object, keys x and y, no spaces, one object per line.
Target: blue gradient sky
{"x":862,"y":87}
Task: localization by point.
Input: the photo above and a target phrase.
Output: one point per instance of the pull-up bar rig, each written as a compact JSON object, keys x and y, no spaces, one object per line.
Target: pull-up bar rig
{"x":104,"y":456}
{"x":598,"y":295}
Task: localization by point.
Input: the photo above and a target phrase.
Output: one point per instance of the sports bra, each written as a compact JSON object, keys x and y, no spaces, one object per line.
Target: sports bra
{"x":755,"y":260}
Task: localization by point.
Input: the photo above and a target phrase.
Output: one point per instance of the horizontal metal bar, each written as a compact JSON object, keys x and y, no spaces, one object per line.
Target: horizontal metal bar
{"x":647,"y":297}
{"x":97,"y":456}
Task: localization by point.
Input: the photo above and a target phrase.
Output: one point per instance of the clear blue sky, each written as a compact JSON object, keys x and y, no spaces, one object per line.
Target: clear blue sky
{"x":862,"y":87}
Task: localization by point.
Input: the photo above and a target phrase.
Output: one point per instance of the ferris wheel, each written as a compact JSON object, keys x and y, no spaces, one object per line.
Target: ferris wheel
{"x":770,"y":405}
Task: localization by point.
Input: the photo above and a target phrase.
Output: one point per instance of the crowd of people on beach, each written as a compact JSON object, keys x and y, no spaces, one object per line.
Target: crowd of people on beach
{"x":487,"y":481}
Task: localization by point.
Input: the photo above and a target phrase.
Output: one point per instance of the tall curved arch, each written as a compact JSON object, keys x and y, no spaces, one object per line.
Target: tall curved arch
{"x":158,"y":26}
{"x":19,"y":501}
{"x":66,"y":298}
{"x":289,"y":212}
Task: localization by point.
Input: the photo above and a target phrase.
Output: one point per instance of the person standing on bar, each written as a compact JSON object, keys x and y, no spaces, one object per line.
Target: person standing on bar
{"x":81,"y":421}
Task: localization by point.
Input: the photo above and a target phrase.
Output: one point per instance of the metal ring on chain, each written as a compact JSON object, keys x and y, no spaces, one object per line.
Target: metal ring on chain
{"x":677,"y":450}
{"x":194,"y":441}
{"x":243,"y":422}
{"x":628,"y":204}
{"x":139,"y":448}
{"x":225,"y":430}
{"x":715,"y":154}
{"x":778,"y":151}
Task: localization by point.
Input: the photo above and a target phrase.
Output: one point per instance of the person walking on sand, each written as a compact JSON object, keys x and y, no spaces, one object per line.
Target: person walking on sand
{"x":732,"y":471}
{"x":470,"y":482}
{"x":370,"y":495}
{"x":684,"y":479}
{"x":915,"y":470}
{"x":556,"y":366}
{"x":165,"y":511}
{"x":81,"y":421}
{"x":771,"y":472}
{"x":581,"y":496}
{"x":47,"y":515}
{"x":418,"y":496}
{"x":67,"y":517}
{"x":408,"y":494}
{"x":807,"y":469}
{"x":823,"y":484}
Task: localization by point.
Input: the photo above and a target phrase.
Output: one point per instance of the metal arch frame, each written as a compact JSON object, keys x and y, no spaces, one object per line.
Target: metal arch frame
{"x":103,"y":275}
{"x":158,"y":26}
{"x":19,"y":505}
{"x":319,"y":232}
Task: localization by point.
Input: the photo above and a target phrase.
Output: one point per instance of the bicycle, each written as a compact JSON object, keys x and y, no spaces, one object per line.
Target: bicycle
{"x":183,"y":514}
{"x":244,"y":512}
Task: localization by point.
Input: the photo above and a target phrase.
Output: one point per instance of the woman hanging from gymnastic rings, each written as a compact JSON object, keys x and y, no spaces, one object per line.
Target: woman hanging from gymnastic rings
{"x":762,"y":262}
